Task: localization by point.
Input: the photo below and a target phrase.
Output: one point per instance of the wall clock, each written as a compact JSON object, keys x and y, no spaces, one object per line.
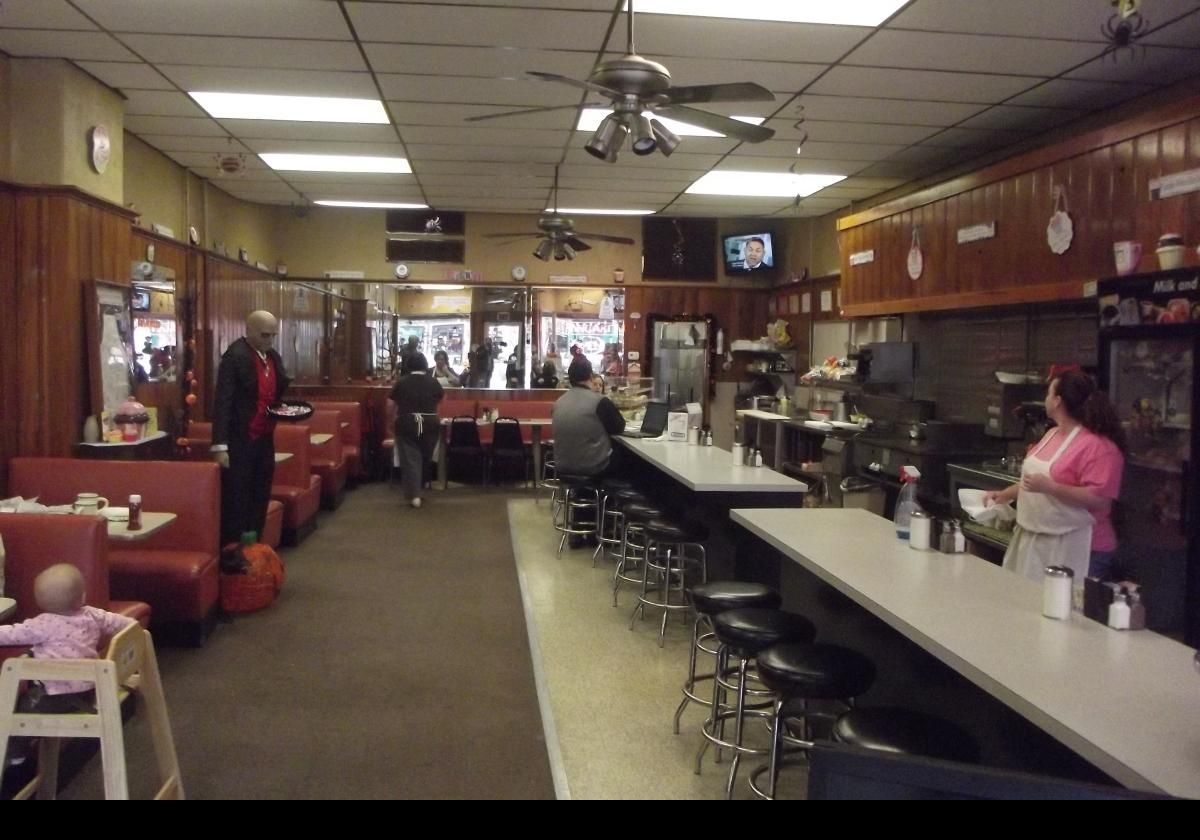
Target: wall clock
{"x":519,"y":273}
{"x":402,"y":271}
{"x":99,"y":148}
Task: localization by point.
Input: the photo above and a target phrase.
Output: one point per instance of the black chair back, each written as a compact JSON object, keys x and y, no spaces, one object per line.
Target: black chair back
{"x":464,"y":433}
{"x":506,"y":435}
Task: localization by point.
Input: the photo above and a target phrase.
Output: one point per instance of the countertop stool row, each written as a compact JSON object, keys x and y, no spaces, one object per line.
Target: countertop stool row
{"x":804,"y":690}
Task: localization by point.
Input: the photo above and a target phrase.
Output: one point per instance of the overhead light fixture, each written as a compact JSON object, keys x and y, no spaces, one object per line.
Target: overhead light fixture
{"x":543,"y":250}
{"x":259,"y":106}
{"x":589,"y":211}
{"x":666,"y":139}
{"x":643,"y":138}
{"x":335,"y":163}
{"x":607,"y":139}
{"x":591,"y":118}
{"x":567,"y":251}
{"x":843,"y":13}
{"x":389,"y":205}
{"x":762,"y":184}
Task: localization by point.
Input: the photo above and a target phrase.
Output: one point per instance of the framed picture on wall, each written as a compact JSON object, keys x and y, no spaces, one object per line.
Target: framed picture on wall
{"x":111,"y":355}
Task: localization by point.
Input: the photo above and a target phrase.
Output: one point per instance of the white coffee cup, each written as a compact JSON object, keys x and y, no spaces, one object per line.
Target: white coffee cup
{"x":1127,"y":255}
{"x":91,"y":503}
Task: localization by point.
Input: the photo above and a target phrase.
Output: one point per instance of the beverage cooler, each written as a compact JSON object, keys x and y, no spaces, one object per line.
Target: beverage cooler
{"x":1149,"y":339}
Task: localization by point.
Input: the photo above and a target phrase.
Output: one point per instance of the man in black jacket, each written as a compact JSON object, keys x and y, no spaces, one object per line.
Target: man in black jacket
{"x":249,"y":378}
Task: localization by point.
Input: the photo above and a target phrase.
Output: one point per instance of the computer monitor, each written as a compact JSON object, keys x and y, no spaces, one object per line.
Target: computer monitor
{"x":841,"y":772}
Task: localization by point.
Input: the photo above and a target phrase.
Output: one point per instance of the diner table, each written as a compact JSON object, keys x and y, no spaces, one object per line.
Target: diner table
{"x":152,"y":523}
{"x":281,"y":457}
{"x":318,"y":438}
{"x":1127,"y":702}
{"x":535,"y":426}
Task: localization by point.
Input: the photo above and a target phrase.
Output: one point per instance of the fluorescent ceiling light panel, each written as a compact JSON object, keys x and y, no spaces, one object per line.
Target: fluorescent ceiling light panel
{"x":260,"y":106}
{"x":335,"y":163}
{"x":761,"y":184}
{"x":390,"y":205}
{"x":840,"y":12}
{"x":590,"y":118}
{"x":580,"y":211}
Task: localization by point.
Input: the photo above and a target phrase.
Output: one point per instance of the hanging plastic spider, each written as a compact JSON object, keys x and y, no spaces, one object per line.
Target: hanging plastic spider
{"x":1122,"y":30}
{"x":677,"y":251}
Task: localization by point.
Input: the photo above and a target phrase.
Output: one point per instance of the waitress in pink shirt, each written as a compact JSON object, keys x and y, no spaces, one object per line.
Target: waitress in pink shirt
{"x":1069,"y":482}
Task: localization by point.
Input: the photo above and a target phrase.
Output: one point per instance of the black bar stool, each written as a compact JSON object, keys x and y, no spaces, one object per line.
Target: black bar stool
{"x":633,"y":543}
{"x":708,"y":599}
{"x":798,"y":674}
{"x":580,"y":494}
{"x":744,"y":634}
{"x":608,"y":535}
{"x":906,"y":732}
{"x":669,"y":541}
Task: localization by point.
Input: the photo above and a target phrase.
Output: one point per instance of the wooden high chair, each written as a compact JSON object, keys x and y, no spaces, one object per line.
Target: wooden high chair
{"x":129,"y":665}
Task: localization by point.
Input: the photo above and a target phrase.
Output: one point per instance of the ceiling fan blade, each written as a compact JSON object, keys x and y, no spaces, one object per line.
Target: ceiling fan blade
{"x":715,"y":122}
{"x":533,"y":111}
{"x":511,"y":235}
{"x":604,"y":237}
{"x":567,"y":80}
{"x":731,"y":92}
{"x":577,"y":243}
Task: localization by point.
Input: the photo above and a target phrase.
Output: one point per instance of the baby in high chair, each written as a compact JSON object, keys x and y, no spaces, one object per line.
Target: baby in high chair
{"x":66,"y":629}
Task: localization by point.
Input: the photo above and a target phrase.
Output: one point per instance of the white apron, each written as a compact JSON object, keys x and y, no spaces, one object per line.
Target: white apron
{"x":1049,"y":532}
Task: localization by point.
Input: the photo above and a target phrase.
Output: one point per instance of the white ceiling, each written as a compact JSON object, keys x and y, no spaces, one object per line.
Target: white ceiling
{"x":940,"y":83}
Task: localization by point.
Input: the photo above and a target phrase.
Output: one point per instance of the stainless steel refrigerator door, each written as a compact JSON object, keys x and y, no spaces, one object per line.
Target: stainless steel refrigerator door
{"x":680,"y":361}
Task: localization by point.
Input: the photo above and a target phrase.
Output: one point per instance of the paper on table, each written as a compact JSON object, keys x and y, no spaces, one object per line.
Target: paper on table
{"x":994,"y":516}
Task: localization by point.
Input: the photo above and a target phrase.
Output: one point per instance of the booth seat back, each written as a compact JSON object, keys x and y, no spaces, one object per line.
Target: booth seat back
{"x":190,"y":490}
{"x":35,"y":541}
{"x":526,"y":410}
{"x":293,"y":438}
{"x":352,"y":413}
{"x":326,"y":422}
{"x":458,"y":408}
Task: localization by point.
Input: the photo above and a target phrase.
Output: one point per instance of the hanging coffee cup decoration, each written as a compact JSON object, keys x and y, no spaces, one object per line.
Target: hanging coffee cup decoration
{"x":916,"y":259}
{"x":1061,"y":230}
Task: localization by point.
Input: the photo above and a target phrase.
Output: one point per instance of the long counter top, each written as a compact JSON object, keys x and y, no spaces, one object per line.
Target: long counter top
{"x":709,"y":469}
{"x":1129,"y":702}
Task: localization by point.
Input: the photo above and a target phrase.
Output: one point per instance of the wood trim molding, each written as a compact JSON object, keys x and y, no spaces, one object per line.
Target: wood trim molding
{"x":70,"y":192}
{"x":1154,"y":120}
{"x":1049,"y":292}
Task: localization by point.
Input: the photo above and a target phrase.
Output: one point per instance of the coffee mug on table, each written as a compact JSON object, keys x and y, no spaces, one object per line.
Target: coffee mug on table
{"x":1127,"y":254}
{"x":91,"y":503}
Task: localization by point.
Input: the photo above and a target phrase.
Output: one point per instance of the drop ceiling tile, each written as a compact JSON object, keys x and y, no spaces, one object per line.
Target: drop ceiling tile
{"x":477,"y":167}
{"x":903,"y":170}
{"x":614,"y":199}
{"x":1171,"y":31}
{"x":141,"y":124}
{"x":78,"y":46}
{"x":631,"y":188}
{"x":280,"y":19}
{"x":1028,"y":18}
{"x":903,"y":84}
{"x":161,"y":103}
{"x":660,"y":37}
{"x":524,"y":205}
{"x":126,"y":74}
{"x":474,"y":190}
{"x":1017,"y":117}
{"x":741,"y":162}
{"x":204,"y":161}
{"x":519,"y":182}
{"x":270,"y":80}
{"x":1078,"y":93}
{"x":169,"y":143}
{"x":42,"y":14}
{"x":850,"y":132}
{"x":877,"y":184}
{"x":426,"y":152}
{"x":246,"y":52}
{"x":820,"y":150}
{"x":941,"y":155}
{"x":409,"y":114}
{"x":782,"y":77}
{"x":483,"y":134}
{"x":348,"y":191}
{"x":975,"y":138}
{"x":344,"y":179}
{"x":432,"y":23}
{"x":585,"y":166}
{"x":970,"y":53}
{"x":903,"y":111}
{"x":633,"y":163}
{"x":287,"y":130}
{"x":493,"y":62}
{"x":469,"y":89}
{"x":325,"y":147}
{"x":1148,"y":65}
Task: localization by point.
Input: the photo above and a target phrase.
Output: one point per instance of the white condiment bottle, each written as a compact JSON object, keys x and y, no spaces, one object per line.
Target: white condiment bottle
{"x":920,"y":530}
{"x":1056,"y":592}
{"x":1118,"y":613}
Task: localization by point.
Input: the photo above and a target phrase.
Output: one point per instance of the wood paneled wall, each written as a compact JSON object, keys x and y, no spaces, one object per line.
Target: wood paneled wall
{"x":741,"y":312}
{"x":1105,"y":178}
{"x":56,"y":241}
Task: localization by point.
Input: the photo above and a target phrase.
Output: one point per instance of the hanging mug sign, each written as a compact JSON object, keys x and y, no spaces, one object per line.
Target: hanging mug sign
{"x":1061,"y":230}
{"x":916,"y":260}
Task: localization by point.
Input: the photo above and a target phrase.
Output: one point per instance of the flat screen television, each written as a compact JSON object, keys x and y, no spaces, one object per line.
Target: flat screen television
{"x":750,"y":253}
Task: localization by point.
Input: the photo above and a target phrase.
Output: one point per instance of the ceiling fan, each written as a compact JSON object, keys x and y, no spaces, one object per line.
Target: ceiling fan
{"x":634,"y":85}
{"x":557,"y":232}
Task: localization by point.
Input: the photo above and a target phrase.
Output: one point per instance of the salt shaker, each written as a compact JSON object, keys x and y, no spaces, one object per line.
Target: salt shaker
{"x":135,"y":513}
{"x":1056,"y":592}
{"x":738,"y":453}
{"x":1119,"y":612}
{"x":920,"y":531}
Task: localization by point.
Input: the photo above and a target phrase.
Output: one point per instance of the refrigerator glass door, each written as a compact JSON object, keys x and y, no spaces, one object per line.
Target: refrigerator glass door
{"x":681,"y":362}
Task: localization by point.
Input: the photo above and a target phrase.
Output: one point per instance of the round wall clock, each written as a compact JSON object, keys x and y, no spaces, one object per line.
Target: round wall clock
{"x":99,"y":148}
{"x":519,"y":273}
{"x":401,"y":271}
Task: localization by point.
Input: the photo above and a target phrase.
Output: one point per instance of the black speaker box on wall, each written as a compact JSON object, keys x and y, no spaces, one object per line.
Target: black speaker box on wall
{"x":426,"y":250}
{"x":448,"y":223}
{"x":679,"y":249}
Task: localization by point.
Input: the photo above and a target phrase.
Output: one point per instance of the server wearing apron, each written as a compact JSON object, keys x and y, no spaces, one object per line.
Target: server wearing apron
{"x":1069,"y":482}
{"x":415,"y":397}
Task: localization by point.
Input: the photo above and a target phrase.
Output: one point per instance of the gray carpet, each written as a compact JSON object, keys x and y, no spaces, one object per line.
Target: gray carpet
{"x":394,"y":665}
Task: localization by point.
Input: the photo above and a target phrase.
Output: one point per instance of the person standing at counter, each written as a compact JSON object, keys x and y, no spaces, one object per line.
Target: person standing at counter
{"x":415,"y":399}
{"x":1069,"y":482}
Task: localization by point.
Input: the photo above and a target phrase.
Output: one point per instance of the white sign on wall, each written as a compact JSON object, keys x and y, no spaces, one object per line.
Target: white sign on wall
{"x":975,"y":233}
{"x":1180,"y":183}
{"x":862,"y":257}
{"x":576,"y":279}
{"x":451,"y":301}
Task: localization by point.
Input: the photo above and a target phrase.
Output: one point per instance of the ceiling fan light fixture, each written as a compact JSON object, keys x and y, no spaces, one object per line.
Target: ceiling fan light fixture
{"x":543,"y":250}
{"x":607,"y":139}
{"x":644,"y":142}
{"x":559,"y":253}
{"x":666,"y":140}
{"x":568,"y":251}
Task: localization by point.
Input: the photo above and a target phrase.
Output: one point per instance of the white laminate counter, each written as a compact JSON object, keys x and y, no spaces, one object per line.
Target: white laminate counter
{"x":1129,"y":702}
{"x":709,"y":469}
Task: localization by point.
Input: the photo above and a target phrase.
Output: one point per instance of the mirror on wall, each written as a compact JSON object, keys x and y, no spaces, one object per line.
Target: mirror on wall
{"x":156,"y":334}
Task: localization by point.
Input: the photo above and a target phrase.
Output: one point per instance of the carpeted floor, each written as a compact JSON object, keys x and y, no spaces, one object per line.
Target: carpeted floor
{"x":395,"y":665}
